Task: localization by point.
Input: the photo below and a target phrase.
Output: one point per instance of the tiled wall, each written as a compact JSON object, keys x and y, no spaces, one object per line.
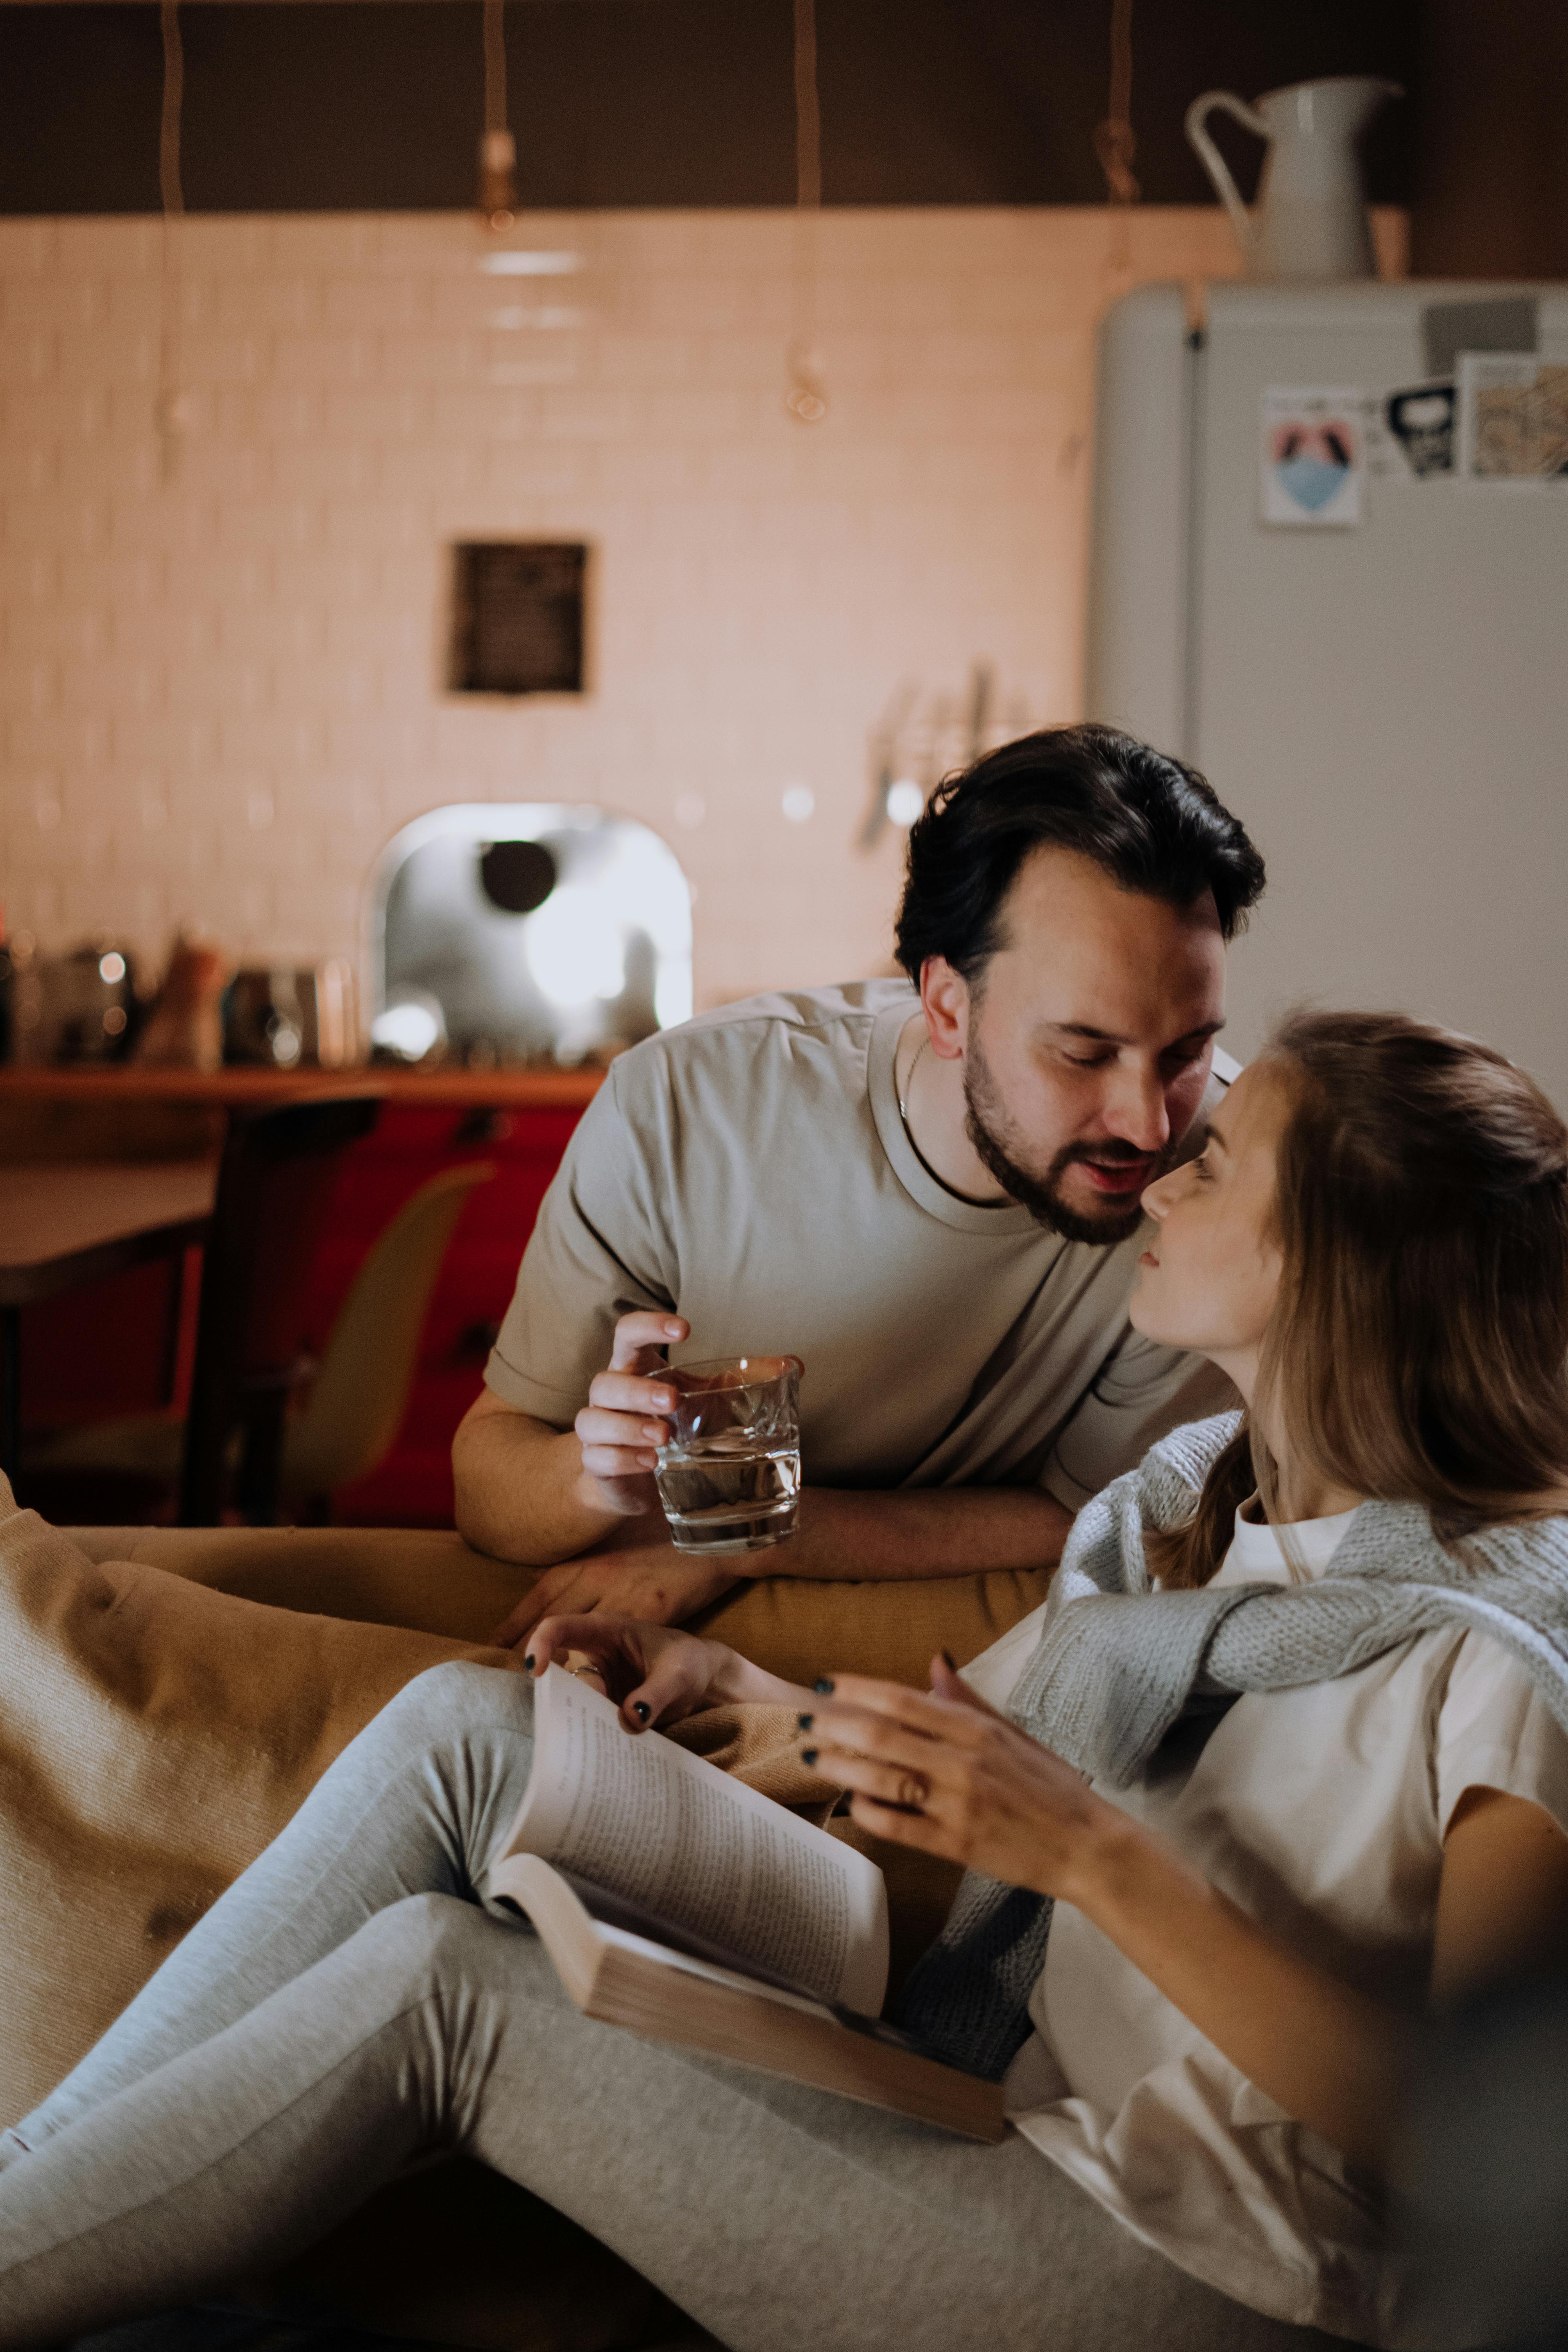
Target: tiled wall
{"x":221,"y":692}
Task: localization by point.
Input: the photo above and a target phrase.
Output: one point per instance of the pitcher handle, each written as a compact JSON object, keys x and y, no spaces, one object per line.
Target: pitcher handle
{"x":1214,"y":162}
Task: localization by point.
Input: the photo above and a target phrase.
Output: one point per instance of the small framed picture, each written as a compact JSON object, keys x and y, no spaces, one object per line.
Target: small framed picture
{"x":517,"y":617}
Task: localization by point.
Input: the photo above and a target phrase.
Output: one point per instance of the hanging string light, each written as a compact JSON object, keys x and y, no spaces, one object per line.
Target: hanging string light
{"x":804,"y":397}
{"x":1115,"y":143}
{"x":497,"y":148}
{"x":171,"y":409}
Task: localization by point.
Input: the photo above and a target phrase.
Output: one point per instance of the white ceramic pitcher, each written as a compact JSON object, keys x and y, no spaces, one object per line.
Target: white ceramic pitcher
{"x":1310,"y":220}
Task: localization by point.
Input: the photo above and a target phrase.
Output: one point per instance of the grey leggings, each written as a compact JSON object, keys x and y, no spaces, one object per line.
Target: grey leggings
{"x":350,"y":2004}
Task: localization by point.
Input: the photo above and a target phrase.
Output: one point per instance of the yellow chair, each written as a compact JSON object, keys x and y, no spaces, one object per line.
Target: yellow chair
{"x":360,"y":1391}
{"x":358,"y":1397}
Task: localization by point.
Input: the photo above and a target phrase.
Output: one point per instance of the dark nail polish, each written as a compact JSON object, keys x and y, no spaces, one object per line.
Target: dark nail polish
{"x":641,"y":1709}
{"x":950,"y":1662}
{"x":528,"y":1662}
{"x":804,"y":1721}
{"x":823,"y":1686}
{"x":808,"y":1755}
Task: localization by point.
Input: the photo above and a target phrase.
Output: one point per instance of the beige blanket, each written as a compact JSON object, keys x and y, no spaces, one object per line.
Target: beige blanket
{"x":153,"y":1737}
{"x":155,"y":1732}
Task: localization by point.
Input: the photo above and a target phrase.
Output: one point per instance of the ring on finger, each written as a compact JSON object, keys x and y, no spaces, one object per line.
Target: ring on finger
{"x":914,"y":1792}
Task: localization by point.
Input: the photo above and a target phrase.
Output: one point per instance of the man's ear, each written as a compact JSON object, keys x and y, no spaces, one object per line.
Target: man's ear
{"x":945,"y":1000}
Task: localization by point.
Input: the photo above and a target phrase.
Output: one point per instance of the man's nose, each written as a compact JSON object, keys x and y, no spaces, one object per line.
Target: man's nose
{"x":1136,"y":1111}
{"x":1158,"y":1197}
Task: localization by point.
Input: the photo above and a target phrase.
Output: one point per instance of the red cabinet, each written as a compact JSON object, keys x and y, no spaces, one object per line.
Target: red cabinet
{"x":413,"y":1487}
{"x":125,"y":1346}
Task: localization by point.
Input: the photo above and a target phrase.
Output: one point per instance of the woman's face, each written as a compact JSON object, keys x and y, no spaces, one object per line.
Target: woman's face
{"x":1209,"y":1279}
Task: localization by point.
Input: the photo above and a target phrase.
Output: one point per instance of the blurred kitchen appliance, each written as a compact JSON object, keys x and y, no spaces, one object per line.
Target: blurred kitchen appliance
{"x":542,"y":930}
{"x":283,"y":1016}
{"x":183,"y":1029}
{"x":1311,"y":218}
{"x":81,"y":1006}
{"x":1364,"y":648}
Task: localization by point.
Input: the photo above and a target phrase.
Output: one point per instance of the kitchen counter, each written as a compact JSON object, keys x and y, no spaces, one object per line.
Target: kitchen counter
{"x":506,"y":1089}
{"x":134,"y":1112}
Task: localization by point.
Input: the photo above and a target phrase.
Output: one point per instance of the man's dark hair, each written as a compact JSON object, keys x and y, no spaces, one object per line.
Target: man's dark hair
{"x":1152,"y":824}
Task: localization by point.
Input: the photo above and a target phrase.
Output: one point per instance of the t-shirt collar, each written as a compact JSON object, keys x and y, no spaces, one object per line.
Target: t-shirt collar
{"x":1007,"y":1218}
{"x":1256,"y":1547}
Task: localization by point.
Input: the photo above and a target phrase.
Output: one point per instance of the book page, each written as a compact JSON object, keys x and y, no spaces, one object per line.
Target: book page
{"x":642,"y":1817}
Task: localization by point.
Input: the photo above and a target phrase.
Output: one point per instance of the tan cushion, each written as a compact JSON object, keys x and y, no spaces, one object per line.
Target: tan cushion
{"x":793,"y":1625}
{"x":799,"y":1628}
{"x":415,"y":1577}
{"x":153,"y":1737}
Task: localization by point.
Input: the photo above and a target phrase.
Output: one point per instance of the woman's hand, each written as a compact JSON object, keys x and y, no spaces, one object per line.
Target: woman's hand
{"x":981,"y":1792}
{"x":654,"y":1674}
{"x":948,"y":1774}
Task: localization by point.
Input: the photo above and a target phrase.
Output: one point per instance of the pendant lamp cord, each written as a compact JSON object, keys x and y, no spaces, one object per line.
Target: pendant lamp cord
{"x":1116,"y":144}
{"x":169,"y":411}
{"x":804,"y":398}
{"x":1115,"y":141}
{"x":497,"y":148}
{"x":495,"y":64}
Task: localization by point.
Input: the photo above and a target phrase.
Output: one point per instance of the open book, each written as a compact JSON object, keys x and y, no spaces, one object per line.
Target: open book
{"x":688,"y":1908}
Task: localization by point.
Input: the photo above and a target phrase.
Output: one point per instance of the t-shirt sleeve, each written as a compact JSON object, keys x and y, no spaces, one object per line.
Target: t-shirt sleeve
{"x":601,"y":1246}
{"x":1140,"y":1395}
{"x":1496,"y":1732}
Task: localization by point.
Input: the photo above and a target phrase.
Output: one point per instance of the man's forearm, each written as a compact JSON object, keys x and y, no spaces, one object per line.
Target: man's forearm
{"x":521,"y":1496}
{"x":518,"y":1489}
{"x":916,"y":1531}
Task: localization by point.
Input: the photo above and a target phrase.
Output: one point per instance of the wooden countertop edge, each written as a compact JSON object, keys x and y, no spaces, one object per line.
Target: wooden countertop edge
{"x":514,"y":1089}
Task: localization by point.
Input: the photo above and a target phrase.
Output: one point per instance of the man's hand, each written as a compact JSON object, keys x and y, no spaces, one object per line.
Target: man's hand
{"x":651,"y":1582}
{"x":531,"y":1492}
{"x":620,"y":1429}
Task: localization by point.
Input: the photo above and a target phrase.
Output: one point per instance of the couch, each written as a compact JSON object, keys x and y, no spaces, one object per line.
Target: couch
{"x":167,"y":1697}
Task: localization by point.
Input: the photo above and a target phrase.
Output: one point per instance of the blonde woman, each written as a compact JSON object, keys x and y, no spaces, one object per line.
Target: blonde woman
{"x":1284,"y":1764}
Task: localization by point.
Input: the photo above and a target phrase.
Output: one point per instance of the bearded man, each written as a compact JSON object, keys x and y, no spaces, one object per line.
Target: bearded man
{"x":928,"y":1191}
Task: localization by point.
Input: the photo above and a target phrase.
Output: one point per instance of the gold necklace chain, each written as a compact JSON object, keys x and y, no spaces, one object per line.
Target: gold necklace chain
{"x":904,"y":1097}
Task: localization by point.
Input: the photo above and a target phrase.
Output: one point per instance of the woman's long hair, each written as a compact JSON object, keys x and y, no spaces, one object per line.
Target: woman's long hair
{"x":1418,"y":1350}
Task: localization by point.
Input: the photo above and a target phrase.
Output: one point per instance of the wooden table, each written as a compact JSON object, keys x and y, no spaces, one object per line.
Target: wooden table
{"x":71,"y":1222}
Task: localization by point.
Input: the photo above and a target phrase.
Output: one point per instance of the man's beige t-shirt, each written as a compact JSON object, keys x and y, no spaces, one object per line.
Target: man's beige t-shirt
{"x":750,"y":1170}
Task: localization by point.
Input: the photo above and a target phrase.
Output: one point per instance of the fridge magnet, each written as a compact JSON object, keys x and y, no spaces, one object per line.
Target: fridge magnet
{"x":1513,"y":417}
{"x":1421,"y":420}
{"x":1312,"y":457}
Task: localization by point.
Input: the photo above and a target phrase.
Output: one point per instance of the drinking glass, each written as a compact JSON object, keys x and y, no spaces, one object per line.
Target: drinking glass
{"x":729,"y":1477}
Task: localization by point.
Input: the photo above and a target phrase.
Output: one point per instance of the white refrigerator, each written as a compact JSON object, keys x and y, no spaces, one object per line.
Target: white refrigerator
{"x":1330,"y":567}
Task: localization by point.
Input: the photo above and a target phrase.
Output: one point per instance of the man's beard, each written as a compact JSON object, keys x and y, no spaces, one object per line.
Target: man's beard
{"x":988,"y":1130}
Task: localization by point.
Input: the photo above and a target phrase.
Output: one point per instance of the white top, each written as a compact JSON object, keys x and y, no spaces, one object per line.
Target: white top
{"x":1322,"y":1811}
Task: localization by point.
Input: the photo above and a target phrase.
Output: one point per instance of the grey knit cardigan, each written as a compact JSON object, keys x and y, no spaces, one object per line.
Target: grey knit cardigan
{"x":1120,"y":1664}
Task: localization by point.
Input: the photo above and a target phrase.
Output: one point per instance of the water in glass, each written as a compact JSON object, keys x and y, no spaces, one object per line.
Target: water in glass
{"x":729,"y":1479}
